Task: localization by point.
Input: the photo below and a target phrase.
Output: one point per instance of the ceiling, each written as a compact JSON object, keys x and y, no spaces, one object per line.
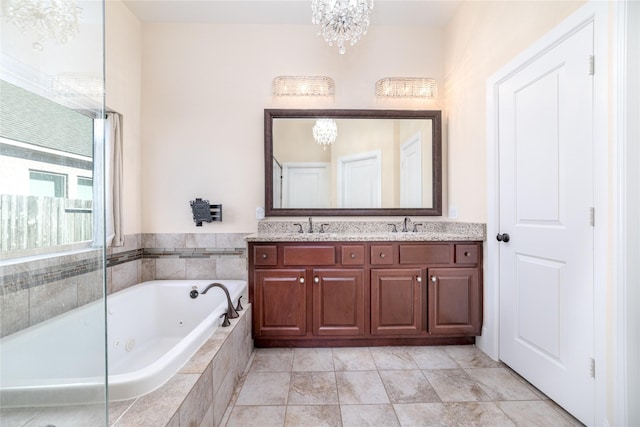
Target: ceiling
{"x":433,"y":13}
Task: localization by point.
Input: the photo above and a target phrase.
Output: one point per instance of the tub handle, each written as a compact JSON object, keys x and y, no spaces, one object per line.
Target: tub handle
{"x":225,"y":322}
{"x":239,"y":307}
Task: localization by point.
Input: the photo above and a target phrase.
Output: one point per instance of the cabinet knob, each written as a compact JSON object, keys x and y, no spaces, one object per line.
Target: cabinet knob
{"x":264,"y":256}
{"x":467,"y":253}
{"x":353,"y":255}
{"x":316,"y":279}
{"x":382,"y":255}
{"x":419,"y":279}
{"x":302,"y":280}
{"x":434,"y":279}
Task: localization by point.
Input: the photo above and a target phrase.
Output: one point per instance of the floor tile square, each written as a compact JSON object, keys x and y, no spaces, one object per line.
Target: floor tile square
{"x":313,"y":416}
{"x":263,"y":416}
{"x":272,"y":360}
{"x":387,"y":358}
{"x":479,"y":414}
{"x":353,"y":359}
{"x":360,"y":387}
{"x":313,"y":388}
{"x":422,"y":414}
{"x":432,"y":358}
{"x":455,"y":385}
{"x":408,"y":386}
{"x":500,"y":384}
{"x":368,"y":415}
{"x":265,"y":388}
{"x":470,"y":356}
{"x":536,"y":414}
{"x":312,"y":359}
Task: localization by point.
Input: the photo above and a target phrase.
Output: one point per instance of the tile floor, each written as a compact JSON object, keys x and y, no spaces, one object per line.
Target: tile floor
{"x":386,"y":386}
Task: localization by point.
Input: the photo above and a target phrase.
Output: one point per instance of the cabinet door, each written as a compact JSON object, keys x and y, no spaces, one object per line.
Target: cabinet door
{"x":455,"y":302}
{"x":280,"y":302}
{"x":396,"y":301}
{"x":338,"y":302}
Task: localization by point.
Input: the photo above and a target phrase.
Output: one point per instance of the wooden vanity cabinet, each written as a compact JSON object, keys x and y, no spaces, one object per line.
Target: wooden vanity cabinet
{"x":365,"y":293}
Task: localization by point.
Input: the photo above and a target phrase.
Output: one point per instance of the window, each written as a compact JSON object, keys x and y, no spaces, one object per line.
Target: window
{"x":47,"y":184}
{"x":85,"y":188}
{"x":46,"y":174}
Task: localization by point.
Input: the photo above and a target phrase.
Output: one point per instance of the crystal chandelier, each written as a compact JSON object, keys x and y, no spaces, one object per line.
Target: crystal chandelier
{"x":54,"y":19}
{"x":325,"y":132}
{"x":341,"y":20}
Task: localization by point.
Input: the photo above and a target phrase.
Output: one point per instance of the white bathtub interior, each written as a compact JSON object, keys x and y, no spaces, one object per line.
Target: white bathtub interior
{"x":153,"y":329}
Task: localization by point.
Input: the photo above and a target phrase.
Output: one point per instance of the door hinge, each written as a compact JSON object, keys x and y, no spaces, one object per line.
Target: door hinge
{"x":592,"y":216}
{"x":592,"y":65}
{"x":592,"y":367}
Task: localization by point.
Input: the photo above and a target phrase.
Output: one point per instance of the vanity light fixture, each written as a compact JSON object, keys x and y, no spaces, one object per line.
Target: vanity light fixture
{"x":303,"y":86}
{"x":406,"y":87}
{"x":341,"y":21}
{"x":325,"y":132}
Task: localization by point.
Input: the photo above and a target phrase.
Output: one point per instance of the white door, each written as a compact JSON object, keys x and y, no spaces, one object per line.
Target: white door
{"x":546,"y":194}
{"x":411,"y":173}
{"x":359,"y":181}
{"x":305,"y":185}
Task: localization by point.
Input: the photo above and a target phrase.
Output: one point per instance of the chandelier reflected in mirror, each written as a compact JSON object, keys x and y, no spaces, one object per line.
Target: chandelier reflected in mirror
{"x":49,"y":19}
{"x":325,"y":132}
{"x":341,"y":21}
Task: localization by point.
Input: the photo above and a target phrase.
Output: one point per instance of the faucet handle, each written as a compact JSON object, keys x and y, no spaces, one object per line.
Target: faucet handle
{"x":299,"y":227}
{"x":415,"y":227}
{"x":239,"y":307}
{"x":394,"y":229}
{"x":225,"y":322}
{"x":322,"y":230}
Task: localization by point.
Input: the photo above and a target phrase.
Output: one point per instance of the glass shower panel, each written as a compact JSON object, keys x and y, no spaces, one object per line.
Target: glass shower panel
{"x":52,"y":246}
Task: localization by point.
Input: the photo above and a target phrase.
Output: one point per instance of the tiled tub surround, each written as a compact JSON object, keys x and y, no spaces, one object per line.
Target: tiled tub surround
{"x":286,"y":230}
{"x":198,"y":395}
{"x":34,"y":290}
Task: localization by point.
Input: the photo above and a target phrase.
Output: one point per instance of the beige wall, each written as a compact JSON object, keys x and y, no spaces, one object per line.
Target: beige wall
{"x":204,"y":89}
{"x":123,"y":38}
{"x":483,"y":37}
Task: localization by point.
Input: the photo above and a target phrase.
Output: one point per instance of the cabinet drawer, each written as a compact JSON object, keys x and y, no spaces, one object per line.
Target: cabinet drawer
{"x":353,"y":255}
{"x":309,"y":255}
{"x":466,"y":254}
{"x":381,"y":254}
{"x":265,"y":255}
{"x":425,"y":254}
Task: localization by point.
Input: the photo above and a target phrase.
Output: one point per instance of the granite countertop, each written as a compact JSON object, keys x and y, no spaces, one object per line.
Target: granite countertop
{"x":370,"y":231}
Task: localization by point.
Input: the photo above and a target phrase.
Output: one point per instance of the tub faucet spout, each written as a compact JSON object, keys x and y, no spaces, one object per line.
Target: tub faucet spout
{"x":231,"y":311}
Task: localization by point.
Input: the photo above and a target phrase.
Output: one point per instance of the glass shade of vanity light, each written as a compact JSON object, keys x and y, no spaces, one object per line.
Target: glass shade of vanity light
{"x":406,"y":87}
{"x":341,"y":21}
{"x":303,"y":86}
{"x":325,"y":132}
{"x":49,"y":19}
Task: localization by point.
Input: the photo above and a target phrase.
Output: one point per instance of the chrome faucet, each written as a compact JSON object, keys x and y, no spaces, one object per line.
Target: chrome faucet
{"x":404,"y":224}
{"x":231,"y":311}
{"x":310,"y":225}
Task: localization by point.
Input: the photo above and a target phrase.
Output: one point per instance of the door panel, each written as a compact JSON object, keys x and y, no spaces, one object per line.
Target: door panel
{"x":338,"y":302}
{"x":396,"y":301}
{"x":546,"y":193}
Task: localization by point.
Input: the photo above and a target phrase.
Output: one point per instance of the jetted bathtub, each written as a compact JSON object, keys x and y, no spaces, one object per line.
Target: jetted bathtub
{"x":153,"y":330}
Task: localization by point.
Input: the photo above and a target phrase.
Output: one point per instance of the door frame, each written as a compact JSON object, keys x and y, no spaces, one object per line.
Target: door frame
{"x":626,"y":107}
{"x":596,"y":12}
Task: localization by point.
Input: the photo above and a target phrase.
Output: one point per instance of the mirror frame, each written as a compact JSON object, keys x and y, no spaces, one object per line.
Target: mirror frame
{"x":436,"y":178}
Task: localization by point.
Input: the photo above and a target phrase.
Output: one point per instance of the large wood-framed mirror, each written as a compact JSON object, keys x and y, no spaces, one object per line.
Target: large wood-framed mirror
{"x":383,"y":162}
